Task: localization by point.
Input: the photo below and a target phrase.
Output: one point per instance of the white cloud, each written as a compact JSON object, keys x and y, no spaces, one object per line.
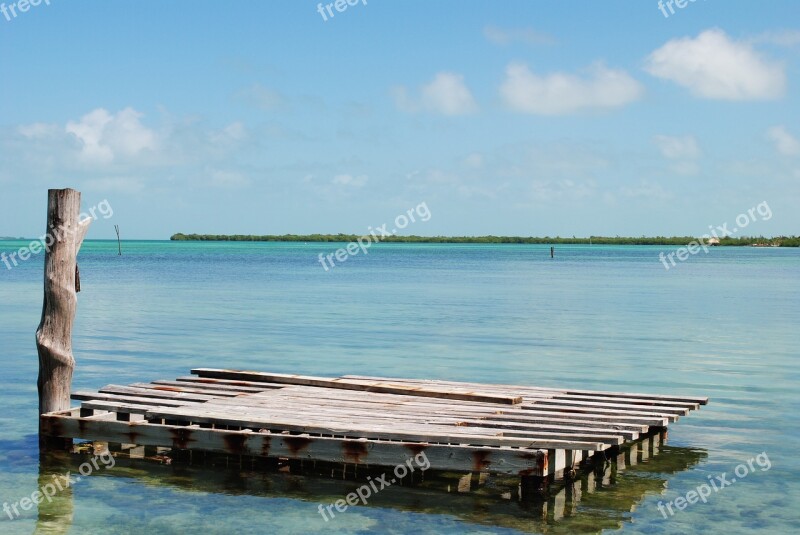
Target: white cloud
{"x":38,"y":130}
{"x":714,"y":66}
{"x":350,"y":181}
{"x":785,"y":38}
{"x":785,"y":142}
{"x":446,"y":94}
{"x":227,"y":178}
{"x":262,"y":98}
{"x":116,"y":152}
{"x":505,"y":36}
{"x":645,"y":190}
{"x":562,"y":189}
{"x":678,"y":148}
{"x":474,"y":160}
{"x":235,"y":131}
{"x":563,"y":93}
{"x":104,"y":136}
{"x":124,"y":185}
{"x":683,"y":152}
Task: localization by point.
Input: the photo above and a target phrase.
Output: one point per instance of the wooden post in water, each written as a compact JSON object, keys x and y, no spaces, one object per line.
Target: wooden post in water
{"x":552,"y":251}
{"x":64,"y":237}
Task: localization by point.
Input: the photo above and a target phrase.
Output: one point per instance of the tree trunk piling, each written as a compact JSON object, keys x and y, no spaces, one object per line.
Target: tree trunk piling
{"x":64,"y":237}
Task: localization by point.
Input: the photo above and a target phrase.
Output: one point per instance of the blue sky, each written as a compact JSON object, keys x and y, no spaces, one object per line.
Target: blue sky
{"x":509,"y":118}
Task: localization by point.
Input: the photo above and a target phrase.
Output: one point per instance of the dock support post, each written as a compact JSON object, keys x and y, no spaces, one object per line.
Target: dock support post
{"x":63,"y":238}
{"x":532,"y":488}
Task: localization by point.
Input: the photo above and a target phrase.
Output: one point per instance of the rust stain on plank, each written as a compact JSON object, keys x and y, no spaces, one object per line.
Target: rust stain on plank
{"x":266,"y":445}
{"x":181,"y":438}
{"x":354,"y":450}
{"x":167,"y":388}
{"x":480,"y":460}
{"x":296,"y":444}
{"x":541,"y":464}
{"x":51,"y":426}
{"x":416,"y":449}
{"x":235,"y":443}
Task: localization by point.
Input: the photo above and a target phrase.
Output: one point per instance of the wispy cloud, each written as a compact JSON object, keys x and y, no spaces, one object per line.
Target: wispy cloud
{"x":784,"y":38}
{"x":714,"y":66}
{"x":507,"y":36}
{"x":678,"y":148}
{"x":563,"y":93}
{"x":122,"y":185}
{"x":645,"y":190}
{"x":682,"y":152}
{"x":262,"y":98}
{"x":227,"y":178}
{"x":350,"y":181}
{"x":446,"y":94}
{"x":785,"y":143}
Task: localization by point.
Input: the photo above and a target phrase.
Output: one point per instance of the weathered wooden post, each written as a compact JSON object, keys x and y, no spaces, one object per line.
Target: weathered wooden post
{"x":64,"y":237}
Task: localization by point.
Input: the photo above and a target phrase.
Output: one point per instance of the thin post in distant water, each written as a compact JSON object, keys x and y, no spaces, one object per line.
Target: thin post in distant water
{"x":552,"y":252}
{"x":119,"y":244}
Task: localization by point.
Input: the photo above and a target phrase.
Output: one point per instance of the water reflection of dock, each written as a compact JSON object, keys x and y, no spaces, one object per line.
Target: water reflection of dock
{"x":600,"y":496}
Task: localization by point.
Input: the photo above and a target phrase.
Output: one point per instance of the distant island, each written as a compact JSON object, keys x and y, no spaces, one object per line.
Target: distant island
{"x":780,"y":241}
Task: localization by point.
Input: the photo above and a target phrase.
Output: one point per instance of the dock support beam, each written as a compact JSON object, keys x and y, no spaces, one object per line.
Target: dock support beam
{"x":63,"y":238}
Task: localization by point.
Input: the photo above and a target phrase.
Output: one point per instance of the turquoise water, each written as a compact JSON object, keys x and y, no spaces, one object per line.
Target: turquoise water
{"x":722,"y":324}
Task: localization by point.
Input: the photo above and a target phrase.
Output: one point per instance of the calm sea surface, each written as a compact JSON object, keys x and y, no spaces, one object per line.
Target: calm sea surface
{"x":724,"y":324}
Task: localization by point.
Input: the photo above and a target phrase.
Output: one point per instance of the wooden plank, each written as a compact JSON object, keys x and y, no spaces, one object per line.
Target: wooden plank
{"x":601,"y":417}
{"x":398,"y":417}
{"x":303,"y":424}
{"x":640,"y":409}
{"x":334,"y":396}
{"x":517,"y":426}
{"x":452,"y":426}
{"x":246,"y":386}
{"x":655,"y":403}
{"x":149,"y":392}
{"x":576,"y":422}
{"x":572,"y":391}
{"x":89,"y":396}
{"x":211,"y":389}
{"x":511,"y":414}
{"x":567,"y":409}
{"x":377,"y":386}
{"x":118,"y":407}
{"x":362,"y":452}
{"x":187,"y":389}
{"x":373,"y":402}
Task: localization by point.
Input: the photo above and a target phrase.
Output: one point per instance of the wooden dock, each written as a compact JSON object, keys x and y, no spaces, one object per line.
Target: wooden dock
{"x":370,"y":421}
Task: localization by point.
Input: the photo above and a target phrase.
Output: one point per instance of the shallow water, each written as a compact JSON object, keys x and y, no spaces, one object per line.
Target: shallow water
{"x":722,"y":324}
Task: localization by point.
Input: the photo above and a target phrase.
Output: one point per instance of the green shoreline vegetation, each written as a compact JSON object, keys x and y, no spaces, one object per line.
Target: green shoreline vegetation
{"x":781,"y":241}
